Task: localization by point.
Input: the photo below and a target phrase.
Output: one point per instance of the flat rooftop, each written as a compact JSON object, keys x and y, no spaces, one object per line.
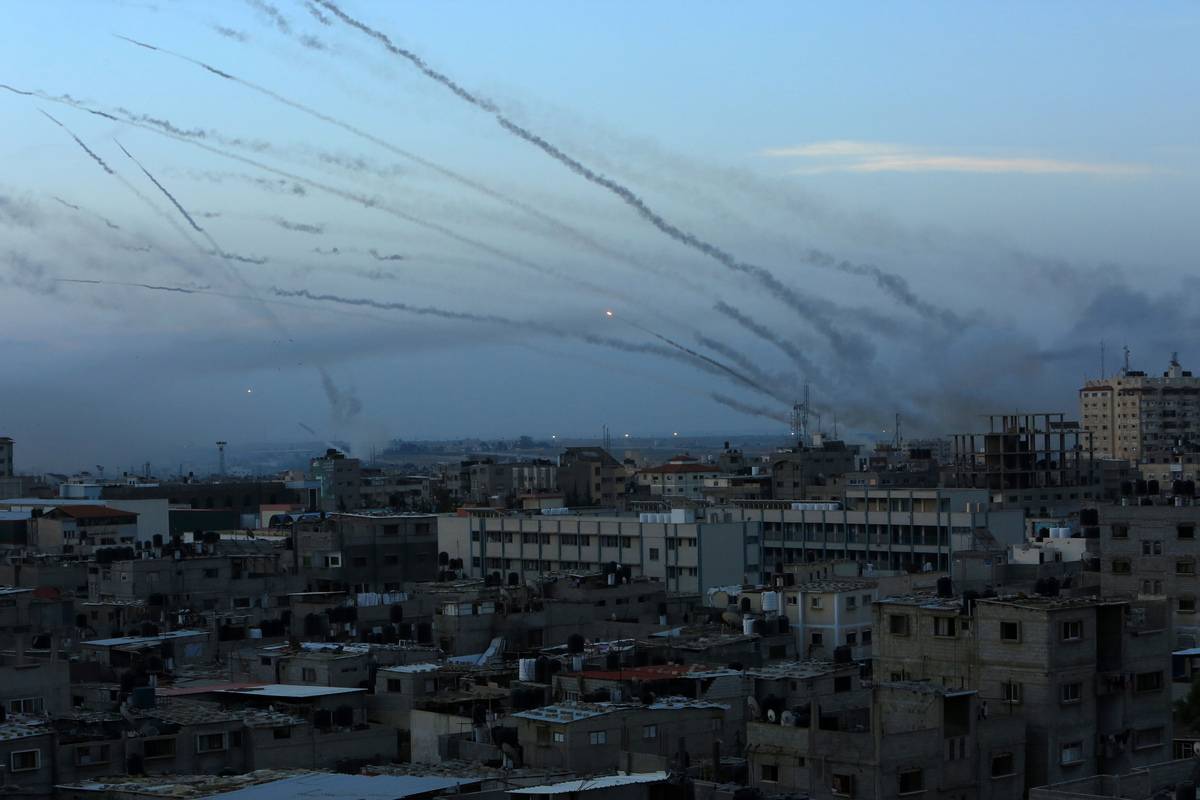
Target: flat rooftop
{"x":290,"y":691}
{"x":124,"y":641}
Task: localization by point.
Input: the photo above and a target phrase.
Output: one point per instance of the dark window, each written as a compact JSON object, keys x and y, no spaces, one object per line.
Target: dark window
{"x":912,"y":781}
{"x":1003,"y":765}
{"x":843,"y":683}
{"x":1148,"y":682}
{"x":769,"y":772}
{"x":1010,"y":631}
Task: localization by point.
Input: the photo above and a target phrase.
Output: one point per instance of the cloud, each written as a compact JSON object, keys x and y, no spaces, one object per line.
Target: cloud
{"x":847,"y":155}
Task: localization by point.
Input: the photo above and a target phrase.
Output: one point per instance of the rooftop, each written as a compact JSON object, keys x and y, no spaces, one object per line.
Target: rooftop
{"x":588,"y":784}
{"x":91,"y":511}
{"x":125,"y":641}
{"x":22,"y":726}
{"x":290,"y":691}
{"x":335,"y":786}
{"x":800,"y":670}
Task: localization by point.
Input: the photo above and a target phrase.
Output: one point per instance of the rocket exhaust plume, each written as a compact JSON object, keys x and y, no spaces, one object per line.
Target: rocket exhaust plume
{"x":305,"y":427}
{"x":813,"y":311}
{"x":550,"y":221}
{"x":151,"y":286}
{"x":892,"y":284}
{"x":699,"y":356}
{"x":385,"y":256}
{"x":802,"y":361}
{"x":79,"y":142}
{"x":745,"y":408}
{"x":114,"y":226}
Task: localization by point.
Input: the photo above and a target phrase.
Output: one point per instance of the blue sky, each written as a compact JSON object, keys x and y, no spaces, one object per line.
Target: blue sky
{"x":1030,"y":168}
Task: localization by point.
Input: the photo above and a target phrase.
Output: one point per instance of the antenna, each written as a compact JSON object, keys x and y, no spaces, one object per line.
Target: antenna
{"x":1126,"y":348}
{"x":800,"y":418}
{"x":835,"y":436}
{"x":897,"y":439}
{"x":221,"y":458}
{"x":1102,"y":373}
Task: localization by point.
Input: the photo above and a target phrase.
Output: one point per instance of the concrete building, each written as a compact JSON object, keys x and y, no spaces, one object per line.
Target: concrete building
{"x":590,"y":476}
{"x":1087,"y":676}
{"x":889,"y":741}
{"x":890,"y":529}
{"x":1151,"y":551}
{"x":6,"y":457}
{"x":686,"y":553}
{"x":682,"y":476}
{"x":797,"y":474}
{"x":82,"y":529}
{"x":340,"y":479}
{"x":590,"y":737}
{"x":1131,"y":413}
{"x":367,"y":552}
{"x":1041,"y":463}
{"x":505,"y":481}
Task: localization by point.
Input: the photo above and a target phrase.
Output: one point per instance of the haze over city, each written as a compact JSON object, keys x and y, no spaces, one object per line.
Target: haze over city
{"x":239,"y":221}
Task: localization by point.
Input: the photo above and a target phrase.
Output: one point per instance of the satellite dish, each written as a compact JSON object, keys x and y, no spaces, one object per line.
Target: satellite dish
{"x":1196,"y":749}
{"x":770,"y":715}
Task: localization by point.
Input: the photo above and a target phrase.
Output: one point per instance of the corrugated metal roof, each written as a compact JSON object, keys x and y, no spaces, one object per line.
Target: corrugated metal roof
{"x":587,"y":784}
{"x":291,"y":690}
{"x":346,"y":787}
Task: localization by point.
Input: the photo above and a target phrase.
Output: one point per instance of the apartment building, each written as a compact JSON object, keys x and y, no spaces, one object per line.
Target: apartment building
{"x":1132,"y":413}
{"x":587,"y":738}
{"x":682,"y":476}
{"x":340,"y":481}
{"x":890,"y":529}
{"x":506,"y":480}
{"x":687,"y":553}
{"x":590,"y":476}
{"x":82,"y":529}
{"x":368,"y":551}
{"x":1151,"y":551}
{"x":890,"y":740}
{"x":1086,"y":676}
{"x":799,"y":474}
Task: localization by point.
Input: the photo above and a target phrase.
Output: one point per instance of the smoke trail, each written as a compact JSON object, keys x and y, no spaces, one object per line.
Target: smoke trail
{"x":389,"y":257}
{"x":230,"y":33}
{"x":344,"y":404}
{"x":745,"y":408}
{"x":299,"y":227}
{"x":891,"y":283}
{"x":65,"y":203}
{"x":151,"y":286}
{"x":550,"y":221}
{"x":700,"y":356}
{"x":114,"y":226}
{"x":744,"y":362}
{"x":79,"y":142}
{"x":316,"y":12}
{"x":763,"y":332}
{"x":272,"y":13}
{"x":182,"y":211}
{"x":813,"y":311}
{"x":218,"y":250}
{"x":310,"y":430}
{"x":333,"y":251}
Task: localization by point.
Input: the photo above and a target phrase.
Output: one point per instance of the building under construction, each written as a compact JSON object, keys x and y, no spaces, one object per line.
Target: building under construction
{"x":1024,"y":452}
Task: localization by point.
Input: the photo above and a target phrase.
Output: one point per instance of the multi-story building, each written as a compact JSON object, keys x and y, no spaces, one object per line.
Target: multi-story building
{"x":82,"y":529}
{"x":1041,"y":463}
{"x":367,"y":552}
{"x":682,"y":476}
{"x":590,"y":476}
{"x":1087,"y":676}
{"x":1132,"y":413}
{"x":890,"y":740}
{"x":1151,"y":551}
{"x":340,"y":479}
{"x":685,"y":552}
{"x":6,"y":457}
{"x":890,"y":529}
{"x":506,"y":480}
{"x":799,"y":474}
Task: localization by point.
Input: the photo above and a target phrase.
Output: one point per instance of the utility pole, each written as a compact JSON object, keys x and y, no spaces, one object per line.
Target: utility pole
{"x":221,"y":458}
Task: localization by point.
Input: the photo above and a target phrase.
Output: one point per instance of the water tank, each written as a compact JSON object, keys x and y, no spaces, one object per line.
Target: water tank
{"x":526,"y":669}
{"x":945,"y":588}
{"x":770,"y":601}
{"x":747,"y":625}
{"x":575,"y":643}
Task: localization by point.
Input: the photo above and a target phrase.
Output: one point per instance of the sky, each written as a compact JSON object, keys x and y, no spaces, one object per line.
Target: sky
{"x":940,"y":210}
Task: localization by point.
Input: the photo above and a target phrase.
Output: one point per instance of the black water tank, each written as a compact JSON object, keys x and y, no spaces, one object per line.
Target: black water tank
{"x":945,"y":588}
{"x":783,"y":625}
{"x":612,"y":662}
{"x":575,"y":643}
{"x":424,"y":632}
{"x":1151,"y":486}
{"x":443,"y":559}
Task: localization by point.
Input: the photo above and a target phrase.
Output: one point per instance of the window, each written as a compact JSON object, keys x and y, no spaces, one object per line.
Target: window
{"x":1072,"y":630}
{"x":1120,"y":567}
{"x":1010,"y":631}
{"x":649,"y":731}
{"x":842,"y":785}
{"x":1120,"y":531}
{"x":898,"y":624}
{"x":1146,"y":739}
{"x":1187,"y":604}
{"x":1185,"y":567}
{"x":559,"y":737}
{"x":598,"y":737}
{"x":282,"y":733}
{"x":1003,"y":765}
{"x":26,"y":760}
{"x":1071,"y":753}
{"x":212,"y":573}
{"x":210,"y":742}
{"x":843,"y":683}
{"x":395,"y":686}
{"x":851,"y":603}
{"x":1011,"y":692}
{"x":912,"y":781}
{"x":1186,"y":531}
{"x":851,"y":639}
{"x":1152,"y":547}
{"x":1148,"y":682}
{"x":308,"y":674}
{"x":87,"y":755}
{"x":815,"y":601}
{"x":943,"y":626}
{"x":1070,"y":693}
{"x":866,"y":636}
{"x":769,"y":773}
{"x":27,"y":705}
{"x":159,"y":748}
{"x":654,"y":554}
{"x":333,"y":560}
{"x":543,"y":734}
